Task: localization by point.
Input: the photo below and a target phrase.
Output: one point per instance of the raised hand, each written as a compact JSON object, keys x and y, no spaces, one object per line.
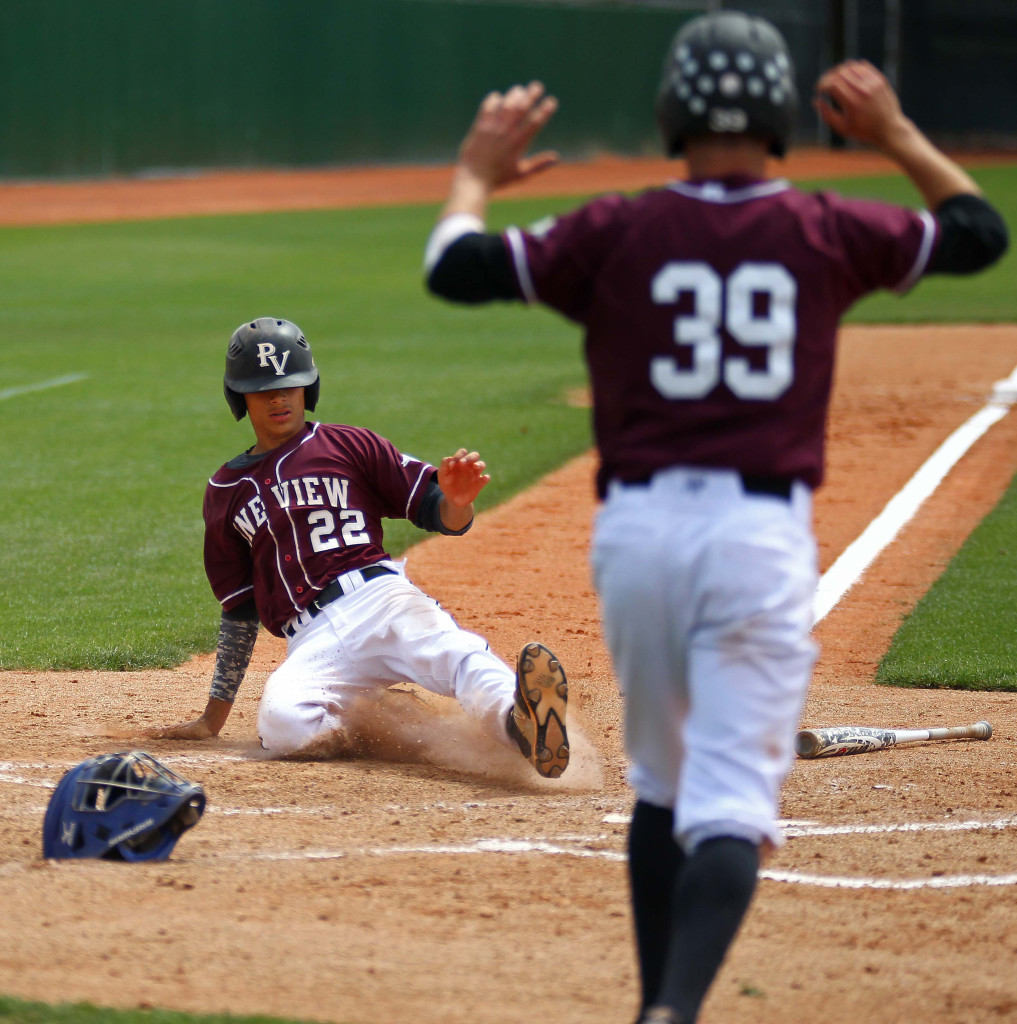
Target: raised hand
{"x":857,"y":101}
{"x":462,"y":477}
{"x":494,"y":149}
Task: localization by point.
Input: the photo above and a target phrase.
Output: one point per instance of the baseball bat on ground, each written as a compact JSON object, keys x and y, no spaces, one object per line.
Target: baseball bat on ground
{"x":859,"y":739}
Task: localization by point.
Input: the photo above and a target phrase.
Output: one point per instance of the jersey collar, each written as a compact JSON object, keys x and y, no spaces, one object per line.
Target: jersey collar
{"x":730,"y":190}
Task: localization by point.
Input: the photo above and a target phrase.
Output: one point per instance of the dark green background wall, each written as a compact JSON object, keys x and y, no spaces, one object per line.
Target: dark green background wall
{"x":97,"y":87}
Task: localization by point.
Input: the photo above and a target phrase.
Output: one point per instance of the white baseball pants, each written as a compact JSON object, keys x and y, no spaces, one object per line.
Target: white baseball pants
{"x":706,"y":596}
{"x":386,"y":631}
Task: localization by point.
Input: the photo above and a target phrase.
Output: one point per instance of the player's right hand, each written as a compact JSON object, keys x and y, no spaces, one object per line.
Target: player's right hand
{"x":199,"y":729}
{"x":494,"y":149}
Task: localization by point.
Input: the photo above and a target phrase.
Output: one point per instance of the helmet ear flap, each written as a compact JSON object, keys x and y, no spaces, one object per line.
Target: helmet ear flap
{"x":311,"y":393}
{"x":237,"y":402}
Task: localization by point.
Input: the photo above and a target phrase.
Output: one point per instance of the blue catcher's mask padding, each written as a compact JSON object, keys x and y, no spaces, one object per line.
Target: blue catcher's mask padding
{"x":124,"y":806}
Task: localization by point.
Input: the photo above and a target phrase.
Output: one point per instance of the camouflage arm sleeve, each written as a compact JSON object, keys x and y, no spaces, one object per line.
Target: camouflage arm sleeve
{"x":232,"y":656}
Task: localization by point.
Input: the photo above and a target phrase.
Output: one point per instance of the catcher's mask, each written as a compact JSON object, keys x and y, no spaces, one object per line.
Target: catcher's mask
{"x":727,"y":73}
{"x":124,"y":806}
{"x":266,"y":354}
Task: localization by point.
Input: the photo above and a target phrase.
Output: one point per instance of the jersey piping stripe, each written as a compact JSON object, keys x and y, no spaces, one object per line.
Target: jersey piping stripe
{"x":236,"y":593}
{"x":424,"y":467}
{"x":293,"y":526}
{"x":257,"y":489}
{"x":715,"y":192}
{"x":518,"y":249}
{"x":924,"y":252}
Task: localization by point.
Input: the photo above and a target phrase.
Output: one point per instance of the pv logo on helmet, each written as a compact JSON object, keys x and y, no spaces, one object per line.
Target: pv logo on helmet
{"x":266,"y":356}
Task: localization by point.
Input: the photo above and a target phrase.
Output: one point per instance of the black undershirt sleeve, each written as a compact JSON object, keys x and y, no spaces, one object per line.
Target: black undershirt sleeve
{"x":475,"y":268}
{"x":243,"y":612}
{"x":429,"y":513}
{"x":972,"y":236}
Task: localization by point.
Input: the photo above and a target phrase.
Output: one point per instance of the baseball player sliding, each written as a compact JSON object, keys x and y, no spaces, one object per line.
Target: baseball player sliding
{"x":710,"y":309}
{"x":293,"y":539}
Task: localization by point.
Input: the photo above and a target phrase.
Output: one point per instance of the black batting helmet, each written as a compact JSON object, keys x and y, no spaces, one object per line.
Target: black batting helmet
{"x":266,"y":354}
{"x":727,"y":74}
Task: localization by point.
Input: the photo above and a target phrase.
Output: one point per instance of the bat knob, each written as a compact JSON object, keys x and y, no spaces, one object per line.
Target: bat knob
{"x":985,"y":730}
{"x":807,"y":743}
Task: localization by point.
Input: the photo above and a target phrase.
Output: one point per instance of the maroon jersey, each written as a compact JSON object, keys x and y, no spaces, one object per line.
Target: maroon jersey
{"x":711,"y":312}
{"x":280,"y":527}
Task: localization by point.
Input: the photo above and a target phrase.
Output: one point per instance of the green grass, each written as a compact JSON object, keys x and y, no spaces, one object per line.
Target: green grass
{"x":963,"y":633}
{"x":16,"y":1011}
{"x":100,"y":522}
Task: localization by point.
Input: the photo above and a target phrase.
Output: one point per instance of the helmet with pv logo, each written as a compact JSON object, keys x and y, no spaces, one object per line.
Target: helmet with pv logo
{"x":266,"y":354}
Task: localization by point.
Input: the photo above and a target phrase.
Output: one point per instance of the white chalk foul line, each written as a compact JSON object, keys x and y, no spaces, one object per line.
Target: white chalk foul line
{"x":479,"y":846}
{"x":540,"y":847}
{"x":941,"y":882}
{"x":7,"y":768}
{"x":862,"y":552}
{"x":42,"y":385}
{"x":799,"y":831}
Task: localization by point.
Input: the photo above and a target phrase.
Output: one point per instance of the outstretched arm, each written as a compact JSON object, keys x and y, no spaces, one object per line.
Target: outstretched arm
{"x":237,"y":635}
{"x":461,"y":262}
{"x":857,"y":101}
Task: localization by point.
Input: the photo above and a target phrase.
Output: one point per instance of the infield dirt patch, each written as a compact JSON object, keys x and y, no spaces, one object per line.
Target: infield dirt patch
{"x":433,"y":878}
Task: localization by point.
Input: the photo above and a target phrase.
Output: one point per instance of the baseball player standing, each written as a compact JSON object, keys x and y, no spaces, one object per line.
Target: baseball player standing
{"x":710,"y":309}
{"x":293,"y":539}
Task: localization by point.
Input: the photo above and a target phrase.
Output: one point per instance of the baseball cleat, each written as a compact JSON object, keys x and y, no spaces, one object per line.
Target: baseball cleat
{"x":537,"y":720}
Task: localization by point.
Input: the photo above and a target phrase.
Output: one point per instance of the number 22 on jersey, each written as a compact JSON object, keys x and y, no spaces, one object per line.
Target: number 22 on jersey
{"x":324,"y":527}
{"x":730,"y":305}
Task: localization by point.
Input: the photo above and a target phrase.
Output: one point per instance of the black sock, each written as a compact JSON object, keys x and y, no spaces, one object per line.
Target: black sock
{"x":711,"y":897}
{"x":654,"y":862}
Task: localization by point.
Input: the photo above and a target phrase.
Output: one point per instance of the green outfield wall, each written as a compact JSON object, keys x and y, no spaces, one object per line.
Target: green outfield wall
{"x":100,"y":87}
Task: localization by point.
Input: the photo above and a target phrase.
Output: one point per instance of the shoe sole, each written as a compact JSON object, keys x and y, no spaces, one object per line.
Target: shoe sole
{"x":544,"y":691}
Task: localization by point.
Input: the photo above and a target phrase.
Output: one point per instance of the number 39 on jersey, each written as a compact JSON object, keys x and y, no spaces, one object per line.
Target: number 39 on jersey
{"x":755,"y":304}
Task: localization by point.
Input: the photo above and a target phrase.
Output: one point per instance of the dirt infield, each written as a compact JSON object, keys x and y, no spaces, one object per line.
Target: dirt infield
{"x":252,"y":191}
{"x":433,"y":879}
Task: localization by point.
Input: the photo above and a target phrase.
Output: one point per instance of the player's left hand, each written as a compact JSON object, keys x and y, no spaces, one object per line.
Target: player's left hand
{"x":462,"y":477}
{"x":857,"y":101}
{"x":494,"y":150}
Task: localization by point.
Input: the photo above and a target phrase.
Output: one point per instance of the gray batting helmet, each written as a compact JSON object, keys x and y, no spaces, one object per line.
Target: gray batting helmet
{"x":727,"y":74}
{"x":266,"y":354}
